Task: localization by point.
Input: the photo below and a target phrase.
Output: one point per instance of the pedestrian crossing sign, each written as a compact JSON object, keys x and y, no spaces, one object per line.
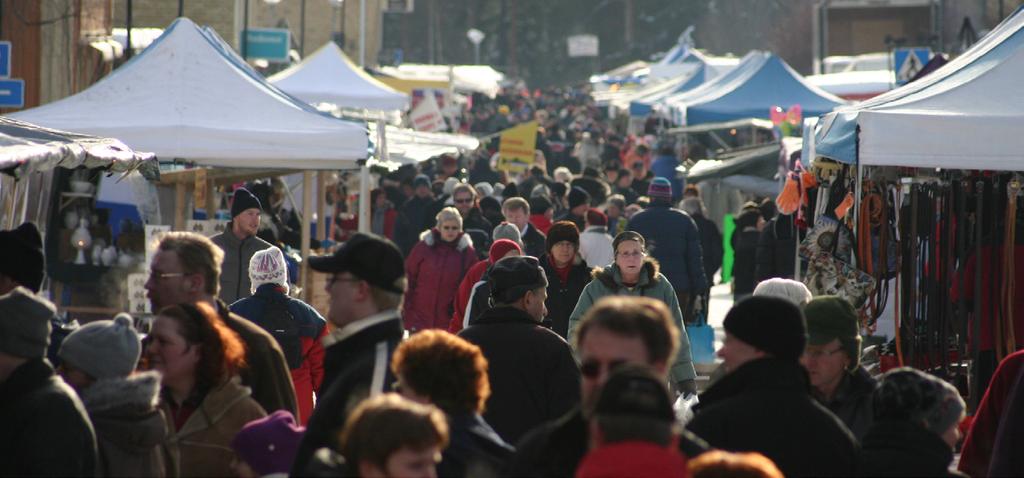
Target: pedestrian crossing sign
{"x":908,"y":62}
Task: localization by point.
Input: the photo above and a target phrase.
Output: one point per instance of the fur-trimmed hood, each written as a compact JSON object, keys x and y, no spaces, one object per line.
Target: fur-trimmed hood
{"x":611,"y":277}
{"x":124,"y":411}
{"x":139,"y":393}
{"x":432,"y":236}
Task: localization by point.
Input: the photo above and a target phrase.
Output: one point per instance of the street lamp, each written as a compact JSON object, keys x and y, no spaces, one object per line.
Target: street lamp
{"x":476,"y":37}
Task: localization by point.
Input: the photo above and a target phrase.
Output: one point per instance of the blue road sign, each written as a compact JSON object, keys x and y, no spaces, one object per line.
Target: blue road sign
{"x":907,"y":62}
{"x":12,"y":93}
{"x":270,"y":44}
{"x":5,"y":59}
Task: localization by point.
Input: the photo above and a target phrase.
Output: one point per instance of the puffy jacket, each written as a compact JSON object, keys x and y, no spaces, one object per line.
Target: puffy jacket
{"x":765,"y":405}
{"x":534,"y":377}
{"x":234,"y":271}
{"x":312,"y":329}
{"x":673,"y":240}
{"x":608,"y":281}
{"x":434,"y":270}
{"x":130,"y":429}
{"x":44,"y":429}
{"x":202,"y":446}
{"x":563,"y":296}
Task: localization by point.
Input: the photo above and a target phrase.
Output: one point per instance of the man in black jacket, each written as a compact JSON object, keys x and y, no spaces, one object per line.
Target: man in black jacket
{"x":618,"y":330}
{"x":533,"y":375}
{"x":366,"y":286}
{"x":44,"y":429}
{"x":517,"y":211}
{"x":414,"y":216}
{"x":764,"y":402}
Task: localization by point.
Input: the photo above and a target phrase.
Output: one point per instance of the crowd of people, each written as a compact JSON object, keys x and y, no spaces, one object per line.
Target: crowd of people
{"x":490,"y":325}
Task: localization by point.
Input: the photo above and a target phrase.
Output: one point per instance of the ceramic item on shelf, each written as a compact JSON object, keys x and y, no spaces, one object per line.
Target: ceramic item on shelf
{"x":109,"y":256}
{"x":125,"y":260}
{"x":70,"y":219}
{"x":81,"y":240}
{"x":97,"y":253}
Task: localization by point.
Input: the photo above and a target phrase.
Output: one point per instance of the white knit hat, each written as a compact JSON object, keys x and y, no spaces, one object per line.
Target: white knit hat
{"x":268,"y":267}
{"x":789,"y":289}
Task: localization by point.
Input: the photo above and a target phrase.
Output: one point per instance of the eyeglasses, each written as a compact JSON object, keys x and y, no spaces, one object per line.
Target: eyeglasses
{"x":592,"y":368}
{"x":464,"y":201}
{"x":819,"y":354}
{"x":163,"y":275}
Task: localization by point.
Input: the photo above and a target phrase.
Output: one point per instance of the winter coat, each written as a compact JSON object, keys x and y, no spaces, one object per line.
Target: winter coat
{"x":633,"y":458}
{"x":563,"y":296}
{"x":479,"y":229}
{"x":596,"y":246}
{"x":979,"y":444}
{"x":234,"y":271}
{"x":357,"y":359}
{"x":899,"y":448}
{"x":673,"y":240}
{"x":383,"y":221}
{"x":44,"y":429}
{"x":130,"y":428}
{"x":744,"y":245}
{"x":413,"y":218}
{"x":765,"y":405}
{"x":1006,"y":456}
{"x":474,"y":448}
{"x":534,"y":377}
{"x":608,"y":281}
{"x":202,"y":446}
{"x":312,"y":329}
{"x":266,"y":371}
{"x":464,"y":293}
{"x":434,"y":270}
{"x":852,"y":401}
{"x":711,"y":246}
{"x":541,"y":222}
{"x":534,"y":241}
{"x":556,"y":448}
{"x":776,"y":249}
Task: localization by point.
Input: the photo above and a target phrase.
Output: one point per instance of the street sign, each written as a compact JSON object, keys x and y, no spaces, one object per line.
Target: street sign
{"x":583,"y":45}
{"x":907,"y":62}
{"x":5,"y":59}
{"x":269,"y":44}
{"x":12,"y":93}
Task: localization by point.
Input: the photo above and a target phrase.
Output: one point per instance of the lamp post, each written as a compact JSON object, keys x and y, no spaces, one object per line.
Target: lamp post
{"x":476,"y":37}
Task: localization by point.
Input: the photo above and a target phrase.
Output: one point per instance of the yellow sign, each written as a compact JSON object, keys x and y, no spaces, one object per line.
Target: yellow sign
{"x":516,"y":148}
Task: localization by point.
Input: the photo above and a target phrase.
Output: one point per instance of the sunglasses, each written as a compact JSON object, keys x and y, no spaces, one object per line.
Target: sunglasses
{"x":592,"y":368}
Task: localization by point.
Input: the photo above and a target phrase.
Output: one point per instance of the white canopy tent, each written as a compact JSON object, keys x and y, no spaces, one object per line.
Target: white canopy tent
{"x":328,"y":76}
{"x":465,"y":78}
{"x":190,"y":96}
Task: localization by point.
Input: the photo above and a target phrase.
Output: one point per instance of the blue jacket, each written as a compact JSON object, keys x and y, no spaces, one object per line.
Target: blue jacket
{"x":310,"y":322}
{"x":664,"y":166}
{"x":672,"y":238}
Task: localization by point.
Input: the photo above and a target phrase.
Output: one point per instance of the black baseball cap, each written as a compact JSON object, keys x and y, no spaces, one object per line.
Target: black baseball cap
{"x":369,"y":257}
{"x":634,"y":390}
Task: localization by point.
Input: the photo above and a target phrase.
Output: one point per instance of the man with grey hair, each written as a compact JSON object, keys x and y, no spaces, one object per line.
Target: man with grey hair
{"x":45,"y":430}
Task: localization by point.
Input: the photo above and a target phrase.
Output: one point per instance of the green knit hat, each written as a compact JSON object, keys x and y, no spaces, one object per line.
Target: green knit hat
{"x":831,"y":317}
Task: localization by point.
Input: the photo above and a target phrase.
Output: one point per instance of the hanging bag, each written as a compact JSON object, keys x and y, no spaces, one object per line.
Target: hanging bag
{"x":701,"y":335}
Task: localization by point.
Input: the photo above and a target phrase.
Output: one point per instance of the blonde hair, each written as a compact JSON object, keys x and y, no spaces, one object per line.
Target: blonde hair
{"x":449,"y":214}
{"x":197,"y":255}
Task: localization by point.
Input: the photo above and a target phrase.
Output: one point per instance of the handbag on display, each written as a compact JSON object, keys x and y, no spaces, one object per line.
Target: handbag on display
{"x":827,"y":236}
{"x":701,"y":335}
{"x":827,"y":275}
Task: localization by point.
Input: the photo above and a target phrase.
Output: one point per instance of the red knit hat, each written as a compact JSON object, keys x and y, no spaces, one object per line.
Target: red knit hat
{"x":500,"y":248}
{"x":596,"y":218}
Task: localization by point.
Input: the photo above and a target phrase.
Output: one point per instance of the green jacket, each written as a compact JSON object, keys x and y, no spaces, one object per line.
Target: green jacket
{"x":608,"y":281}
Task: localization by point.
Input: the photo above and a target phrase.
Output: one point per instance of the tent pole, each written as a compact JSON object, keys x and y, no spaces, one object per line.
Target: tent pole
{"x":364,"y":197}
{"x":179,"y":209}
{"x":321,"y":221}
{"x":307,"y":207}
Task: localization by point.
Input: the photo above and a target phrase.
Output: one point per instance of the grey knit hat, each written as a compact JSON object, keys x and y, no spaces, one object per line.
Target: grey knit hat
{"x":508,"y":231}
{"x":104,"y":348}
{"x":906,"y":394}
{"x":25,"y":323}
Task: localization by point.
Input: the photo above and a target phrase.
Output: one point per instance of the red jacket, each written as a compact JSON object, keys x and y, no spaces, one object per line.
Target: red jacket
{"x":462,"y":295}
{"x":635,"y":459}
{"x":981,"y":439}
{"x":541,"y":222}
{"x":308,"y":377}
{"x":434,"y":270}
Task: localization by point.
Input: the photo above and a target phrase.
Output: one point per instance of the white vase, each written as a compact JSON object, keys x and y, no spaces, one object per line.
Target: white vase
{"x":109,"y":256}
{"x":70,"y":219}
{"x":97,"y":254}
{"x":125,"y":260}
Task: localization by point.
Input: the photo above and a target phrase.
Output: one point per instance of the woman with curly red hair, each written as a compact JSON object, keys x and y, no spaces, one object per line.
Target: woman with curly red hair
{"x":201,"y":396}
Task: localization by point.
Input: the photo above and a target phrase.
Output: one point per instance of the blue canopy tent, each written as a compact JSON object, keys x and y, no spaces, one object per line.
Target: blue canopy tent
{"x":972,"y":94}
{"x":749,"y":61}
{"x":766,"y":82}
{"x":643,"y":104}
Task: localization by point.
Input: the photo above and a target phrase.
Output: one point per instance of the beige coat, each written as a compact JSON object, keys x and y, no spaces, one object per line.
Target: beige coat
{"x":202,"y":446}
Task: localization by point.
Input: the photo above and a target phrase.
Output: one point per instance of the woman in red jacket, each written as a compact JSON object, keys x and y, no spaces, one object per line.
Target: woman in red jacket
{"x":500,"y":249}
{"x":434,"y":269}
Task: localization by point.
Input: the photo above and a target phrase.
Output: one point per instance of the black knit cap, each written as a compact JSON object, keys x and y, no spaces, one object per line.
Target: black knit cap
{"x":21,"y":256}
{"x":635,"y":391}
{"x":562,"y":231}
{"x":512,"y":277}
{"x":539,"y":205}
{"x":242,"y":200}
{"x":774,"y":325}
{"x":369,"y":257}
{"x":578,"y":196}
